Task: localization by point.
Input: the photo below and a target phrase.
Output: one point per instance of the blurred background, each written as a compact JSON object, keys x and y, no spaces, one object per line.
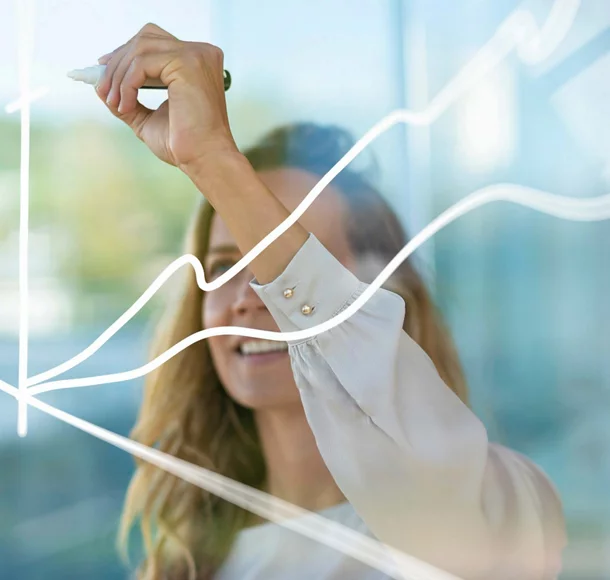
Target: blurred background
{"x":526,"y":295}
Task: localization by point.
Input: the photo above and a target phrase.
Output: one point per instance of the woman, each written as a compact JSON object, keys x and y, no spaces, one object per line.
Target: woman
{"x":368,"y":418}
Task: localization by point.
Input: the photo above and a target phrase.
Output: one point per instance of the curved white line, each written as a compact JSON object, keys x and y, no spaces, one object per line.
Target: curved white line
{"x":589,"y":209}
{"x":539,"y":44}
{"x":519,"y":30}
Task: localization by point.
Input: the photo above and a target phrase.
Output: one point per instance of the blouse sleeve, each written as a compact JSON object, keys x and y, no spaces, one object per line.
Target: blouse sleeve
{"x":412,"y":459}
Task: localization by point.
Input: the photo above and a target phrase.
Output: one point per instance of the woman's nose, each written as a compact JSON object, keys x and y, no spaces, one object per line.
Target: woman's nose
{"x":246,"y":299}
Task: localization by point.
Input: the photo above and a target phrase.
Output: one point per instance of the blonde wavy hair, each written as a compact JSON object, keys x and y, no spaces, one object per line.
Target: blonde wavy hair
{"x":186,"y":531}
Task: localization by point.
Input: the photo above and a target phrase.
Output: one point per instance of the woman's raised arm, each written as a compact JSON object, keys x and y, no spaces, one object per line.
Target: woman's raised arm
{"x":191,"y":131}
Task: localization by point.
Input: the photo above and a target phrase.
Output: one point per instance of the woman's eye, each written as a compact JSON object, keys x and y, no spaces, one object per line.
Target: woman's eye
{"x":218,"y":268}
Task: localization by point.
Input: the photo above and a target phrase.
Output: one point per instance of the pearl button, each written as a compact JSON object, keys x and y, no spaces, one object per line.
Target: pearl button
{"x":306,"y":309}
{"x":288,"y":293}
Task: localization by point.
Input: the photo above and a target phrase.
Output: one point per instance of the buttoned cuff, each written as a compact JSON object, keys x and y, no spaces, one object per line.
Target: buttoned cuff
{"x":313,"y":288}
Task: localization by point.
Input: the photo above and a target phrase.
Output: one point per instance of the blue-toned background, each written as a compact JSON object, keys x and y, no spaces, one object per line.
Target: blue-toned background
{"x":527,"y":296}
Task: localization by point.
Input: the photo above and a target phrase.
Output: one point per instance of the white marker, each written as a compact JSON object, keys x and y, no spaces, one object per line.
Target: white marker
{"x":93,"y":74}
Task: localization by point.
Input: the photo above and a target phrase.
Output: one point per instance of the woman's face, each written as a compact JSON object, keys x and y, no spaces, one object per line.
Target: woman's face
{"x":264,"y":380}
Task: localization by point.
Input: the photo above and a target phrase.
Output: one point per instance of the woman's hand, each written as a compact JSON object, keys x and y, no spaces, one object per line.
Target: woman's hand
{"x":193,"y":121}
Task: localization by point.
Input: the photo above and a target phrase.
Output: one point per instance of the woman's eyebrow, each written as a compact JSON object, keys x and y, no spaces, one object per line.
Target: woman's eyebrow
{"x":223,"y":249}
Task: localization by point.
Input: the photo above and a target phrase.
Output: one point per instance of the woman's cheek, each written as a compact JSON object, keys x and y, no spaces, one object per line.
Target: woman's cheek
{"x":213,"y":312}
{"x":218,"y":355}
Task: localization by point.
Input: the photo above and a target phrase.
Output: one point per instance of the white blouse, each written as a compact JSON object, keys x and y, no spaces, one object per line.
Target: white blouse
{"x":413,"y":461}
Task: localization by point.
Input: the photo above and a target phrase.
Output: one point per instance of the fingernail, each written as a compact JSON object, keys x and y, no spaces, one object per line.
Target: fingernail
{"x":109,"y":98}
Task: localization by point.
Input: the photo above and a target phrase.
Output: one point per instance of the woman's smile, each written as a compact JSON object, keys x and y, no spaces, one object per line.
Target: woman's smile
{"x":259,"y":351}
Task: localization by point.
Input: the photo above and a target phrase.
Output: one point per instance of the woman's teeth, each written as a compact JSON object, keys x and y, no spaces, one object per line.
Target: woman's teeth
{"x":262,"y":346}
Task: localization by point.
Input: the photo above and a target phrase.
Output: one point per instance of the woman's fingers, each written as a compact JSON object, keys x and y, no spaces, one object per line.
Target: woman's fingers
{"x":135,"y":59}
{"x":105,"y":58}
{"x":141,"y":67}
{"x":136,"y":117}
{"x":117,"y":73}
{"x":116,"y":65}
{"x":105,"y":84}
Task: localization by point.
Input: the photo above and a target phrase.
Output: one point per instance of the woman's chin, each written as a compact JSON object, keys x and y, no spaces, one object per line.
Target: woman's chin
{"x":265,"y":394}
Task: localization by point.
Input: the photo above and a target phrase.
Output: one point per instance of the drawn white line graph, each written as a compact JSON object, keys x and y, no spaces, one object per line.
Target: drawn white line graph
{"x":519,"y":31}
